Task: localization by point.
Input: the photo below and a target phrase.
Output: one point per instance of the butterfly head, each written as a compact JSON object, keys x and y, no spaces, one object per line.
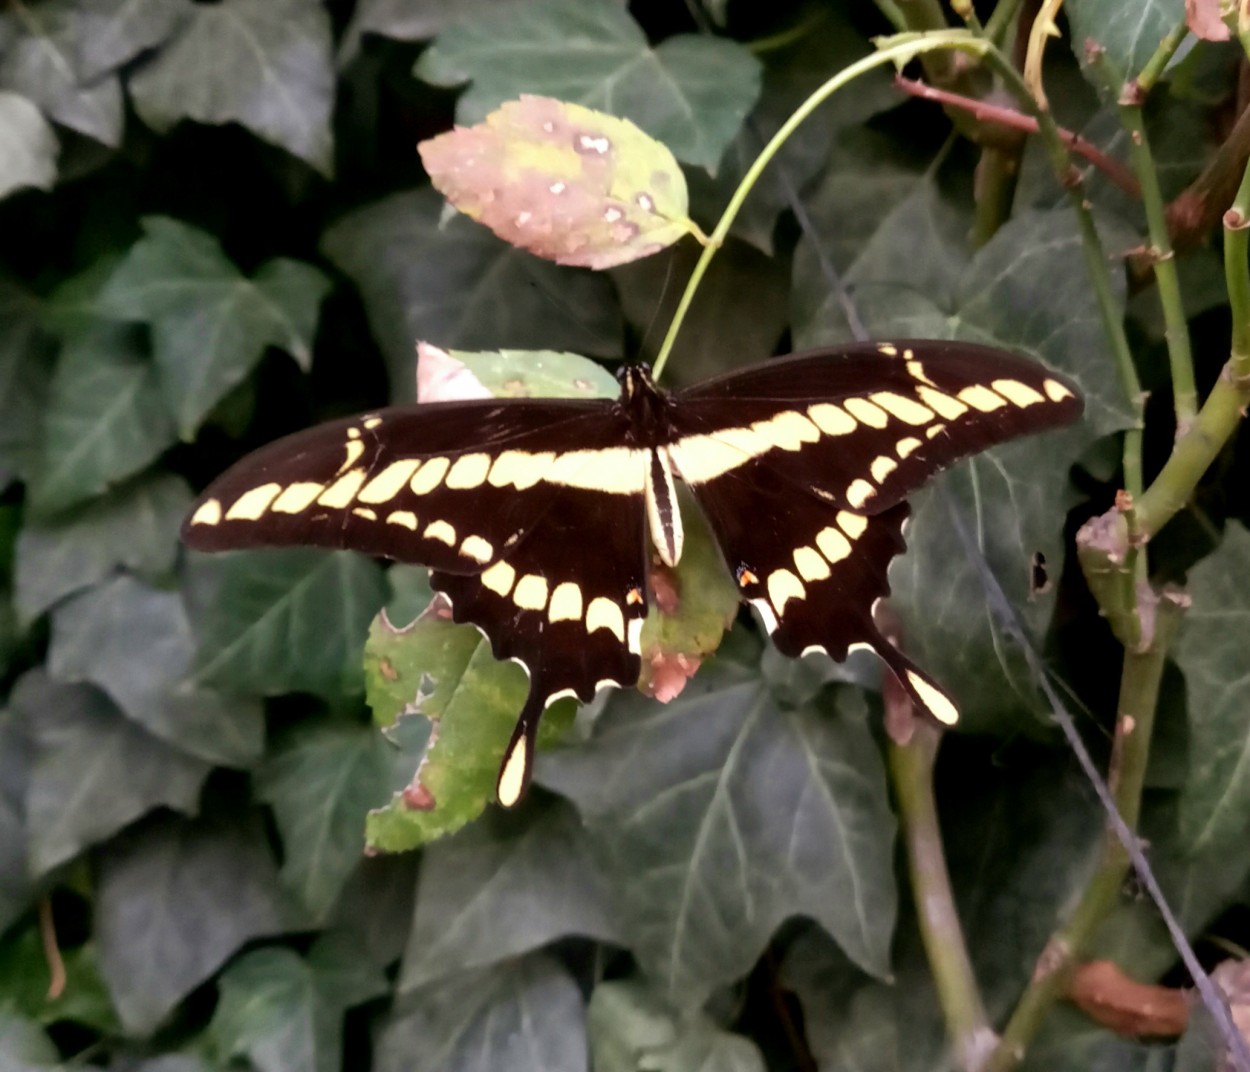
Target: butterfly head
{"x":634,"y":380}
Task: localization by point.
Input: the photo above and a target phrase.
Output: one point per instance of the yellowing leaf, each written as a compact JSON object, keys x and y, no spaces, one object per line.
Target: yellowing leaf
{"x":565,"y":182}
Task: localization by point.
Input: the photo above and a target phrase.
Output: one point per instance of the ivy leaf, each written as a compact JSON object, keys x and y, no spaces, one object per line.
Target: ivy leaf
{"x":210,"y":324}
{"x":28,"y":147}
{"x":135,"y":642}
{"x":23,"y":1046}
{"x":16,"y":888}
{"x":266,"y":64}
{"x":767,"y":813}
{"x":321,"y":779}
{"x":1216,"y":797}
{"x":564,"y":182}
{"x":690,"y":92}
{"x":93,"y":771}
{"x":632,"y":1027}
{"x":24,"y":978}
{"x":109,"y":33}
{"x":445,"y":673}
{"x":412,"y":20}
{"x":175,"y":899}
{"x":505,"y":886}
{"x":285,"y":1013}
{"x":1126,"y":34}
{"x":289,"y":620}
{"x":458,"y":285}
{"x":25,"y":375}
{"x":135,"y":527}
{"x":105,"y":420}
{"x":40,"y":63}
{"x":526,"y":1016}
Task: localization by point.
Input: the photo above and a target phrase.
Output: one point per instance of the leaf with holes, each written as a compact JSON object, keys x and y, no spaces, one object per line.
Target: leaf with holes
{"x":565,"y":182}
{"x":535,"y":374}
{"x":690,"y":92}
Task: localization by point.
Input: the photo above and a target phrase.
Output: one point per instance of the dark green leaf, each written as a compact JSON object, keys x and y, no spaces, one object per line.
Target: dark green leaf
{"x":16,"y":888}
{"x":410,"y":592}
{"x":524,"y":1017}
{"x":135,"y":527}
{"x":25,"y":372}
{"x":40,"y":63}
{"x":93,"y":771}
{"x":376,"y":906}
{"x":105,"y":419}
{"x":321,"y":779}
{"x":25,"y":979}
{"x":135,"y":642}
{"x":413,"y":20}
{"x":1216,"y":799}
{"x":23,"y":1046}
{"x":210,"y":324}
{"x":288,"y":621}
{"x":631,"y":1027}
{"x":458,"y":285}
{"x":720,"y":815}
{"x":30,"y":146}
{"x":571,"y":184}
{"x":266,"y":64}
{"x":175,"y":899}
{"x":1126,"y":34}
{"x":690,"y":92}
{"x":505,"y":886}
{"x":285,"y":1013}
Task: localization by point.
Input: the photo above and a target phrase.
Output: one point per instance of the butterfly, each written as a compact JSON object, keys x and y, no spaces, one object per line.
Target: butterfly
{"x":536,"y":516}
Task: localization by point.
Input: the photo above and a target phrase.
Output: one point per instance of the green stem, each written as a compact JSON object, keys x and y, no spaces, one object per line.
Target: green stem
{"x":999,"y":22}
{"x":1237,"y":275}
{"x":1151,"y":73}
{"x":900,"y":49}
{"x":995,"y":186}
{"x":911,"y":771}
{"x":1139,"y":694}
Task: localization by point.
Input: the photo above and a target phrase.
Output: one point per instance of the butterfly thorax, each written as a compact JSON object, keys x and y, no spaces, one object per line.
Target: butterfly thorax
{"x":648,"y":408}
{"x":650,"y":414}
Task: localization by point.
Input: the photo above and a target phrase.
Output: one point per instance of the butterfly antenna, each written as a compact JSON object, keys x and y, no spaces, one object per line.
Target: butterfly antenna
{"x":1009,"y":622}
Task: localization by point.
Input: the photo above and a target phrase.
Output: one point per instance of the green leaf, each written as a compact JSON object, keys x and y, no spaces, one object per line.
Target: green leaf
{"x":174,"y":900}
{"x":109,"y":33}
{"x":766,"y":813}
{"x":285,"y":1013}
{"x":458,"y":285}
{"x":1216,"y":798}
{"x":135,"y":527}
{"x":210,"y":324}
{"x":690,"y":92}
{"x":105,"y":420}
{"x":505,"y":886}
{"x":631,"y":1027}
{"x":412,"y":20}
{"x":135,"y":642}
{"x":1127,"y":34}
{"x":93,"y":771}
{"x":524,"y":1017}
{"x":287,"y":621}
{"x":375,"y":909}
{"x":29,"y":146}
{"x":321,"y":779}
{"x":538,"y":374}
{"x":445,"y":673}
{"x":265,"y":64}
{"x":25,"y":373}
{"x":16,"y":888}
{"x":40,"y":63}
{"x":24,"y":979}
{"x":23,"y":1046}
{"x":564,"y":182}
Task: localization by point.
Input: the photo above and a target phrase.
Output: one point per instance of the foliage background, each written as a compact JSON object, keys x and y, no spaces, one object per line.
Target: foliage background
{"x":215,"y":229}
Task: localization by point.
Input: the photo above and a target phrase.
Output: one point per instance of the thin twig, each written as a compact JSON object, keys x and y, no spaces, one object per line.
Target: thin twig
{"x":1014,"y":120}
{"x":51,"y":950}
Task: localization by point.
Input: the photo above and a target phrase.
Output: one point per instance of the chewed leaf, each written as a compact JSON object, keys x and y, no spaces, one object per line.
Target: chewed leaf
{"x":446,"y":374}
{"x":563,"y":181}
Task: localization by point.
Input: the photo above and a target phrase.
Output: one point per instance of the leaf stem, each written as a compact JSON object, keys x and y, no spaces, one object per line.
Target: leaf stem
{"x":898,"y":49}
{"x":1157,"y":64}
{"x":1139,"y":693}
{"x":911,"y":772}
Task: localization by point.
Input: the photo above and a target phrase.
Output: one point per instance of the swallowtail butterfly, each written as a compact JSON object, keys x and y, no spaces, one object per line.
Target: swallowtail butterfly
{"x":533,"y":514}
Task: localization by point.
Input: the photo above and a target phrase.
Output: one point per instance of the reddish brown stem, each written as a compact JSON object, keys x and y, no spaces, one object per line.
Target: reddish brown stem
{"x":1010,"y":118}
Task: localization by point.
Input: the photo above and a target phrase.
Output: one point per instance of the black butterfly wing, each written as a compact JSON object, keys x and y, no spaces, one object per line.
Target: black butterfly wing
{"x":802,"y":465}
{"x":863,"y":426}
{"x":530,"y":514}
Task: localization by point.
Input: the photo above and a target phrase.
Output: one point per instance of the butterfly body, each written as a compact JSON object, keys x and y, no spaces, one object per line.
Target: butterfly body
{"x":534,"y":514}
